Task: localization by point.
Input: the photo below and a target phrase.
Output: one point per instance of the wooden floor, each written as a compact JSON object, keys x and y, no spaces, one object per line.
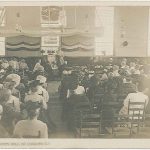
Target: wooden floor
{"x":55,"y":113}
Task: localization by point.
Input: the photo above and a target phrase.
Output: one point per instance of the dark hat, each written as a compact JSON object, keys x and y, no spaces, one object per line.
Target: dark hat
{"x":29,"y":105}
{"x":128,"y":78}
{"x":34,"y":83}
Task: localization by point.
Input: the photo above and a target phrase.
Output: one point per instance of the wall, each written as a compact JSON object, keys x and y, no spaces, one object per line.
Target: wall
{"x":27,"y":17}
{"x":133,"y":23}
{"x":79,"y":17}
{"x":30,"y":16}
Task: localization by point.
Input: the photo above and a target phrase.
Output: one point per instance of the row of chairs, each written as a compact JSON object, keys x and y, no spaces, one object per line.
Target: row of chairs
{"x":91,"y":123}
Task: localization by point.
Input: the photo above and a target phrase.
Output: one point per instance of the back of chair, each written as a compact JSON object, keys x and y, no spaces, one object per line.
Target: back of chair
{"x":98,"y":100}
{"x":137,"y":110}
{"x":31,"y":136}
{"x":90,"y":120}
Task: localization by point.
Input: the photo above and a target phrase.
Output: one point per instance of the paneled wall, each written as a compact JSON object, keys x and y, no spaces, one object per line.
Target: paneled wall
{"x":131,"y":25}
{"x":27,"y":17}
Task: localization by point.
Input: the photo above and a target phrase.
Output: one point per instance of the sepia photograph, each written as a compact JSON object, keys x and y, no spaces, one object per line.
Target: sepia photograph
{"x":74,"y":70}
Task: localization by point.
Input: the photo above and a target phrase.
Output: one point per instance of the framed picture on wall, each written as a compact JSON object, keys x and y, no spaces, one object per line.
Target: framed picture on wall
{"x":50,"y":41}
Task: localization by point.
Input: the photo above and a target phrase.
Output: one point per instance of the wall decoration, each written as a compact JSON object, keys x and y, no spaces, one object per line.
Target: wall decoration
{"x":18,"y":45}
{"x":52,"y":16}
{"x":48,"y":41}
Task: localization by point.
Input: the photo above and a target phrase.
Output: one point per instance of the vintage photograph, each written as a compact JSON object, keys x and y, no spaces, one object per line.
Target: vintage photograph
{"x":75,"y":72}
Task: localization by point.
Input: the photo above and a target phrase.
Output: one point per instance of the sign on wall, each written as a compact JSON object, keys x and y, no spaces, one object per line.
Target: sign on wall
{"x":50,"y":44}
{"x":48,"y":41}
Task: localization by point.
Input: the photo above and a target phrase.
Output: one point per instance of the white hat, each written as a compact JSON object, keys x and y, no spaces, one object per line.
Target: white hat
{"x":14,"y":77}
{"x":65,"y":72}
{"x":91,"y":72}
{"x":41,"y":78}
{"x":40,"y":68}
{"x":79,"y":90}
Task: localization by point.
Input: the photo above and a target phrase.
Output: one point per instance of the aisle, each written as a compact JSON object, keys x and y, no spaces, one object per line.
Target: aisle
{"x":55,"y":112}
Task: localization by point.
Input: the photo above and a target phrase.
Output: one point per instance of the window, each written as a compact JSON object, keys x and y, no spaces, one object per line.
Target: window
{"x":52,"y":16}
{"x":104,"y":20}
{"x":2,"y":16}
{"x":148,"y":51}
{"x":2,"y":46}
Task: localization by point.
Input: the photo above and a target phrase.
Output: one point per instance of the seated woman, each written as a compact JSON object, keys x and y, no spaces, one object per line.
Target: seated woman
{"x":77,"y":102}
{"x":32,"y":127}
{"x":10,"y":114}
{"x":127,"y":87}
{"x":34,"y":96}
{"x":11,"y":82}
{"x":77,"y":98}
{"x":139,"y":96}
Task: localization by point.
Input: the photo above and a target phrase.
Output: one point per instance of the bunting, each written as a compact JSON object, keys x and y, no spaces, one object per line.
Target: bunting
{"x":23,"y":46}
{"x":78,"y":43}
{"x":23,"y":43}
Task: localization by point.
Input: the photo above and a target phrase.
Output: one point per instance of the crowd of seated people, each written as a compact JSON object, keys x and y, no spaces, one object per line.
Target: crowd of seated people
{"x":99,"y":84}
{"x":23,"y":99}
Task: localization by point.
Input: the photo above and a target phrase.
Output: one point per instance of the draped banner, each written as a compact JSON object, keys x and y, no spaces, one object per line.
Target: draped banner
{"x":78,"y":45}
{"x":23,"y":46}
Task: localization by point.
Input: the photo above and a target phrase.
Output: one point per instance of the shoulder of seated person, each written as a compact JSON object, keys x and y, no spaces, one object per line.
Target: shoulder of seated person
{"x":14,"y":97}
{"x":21,"y":122}
{"x":41,"y":123}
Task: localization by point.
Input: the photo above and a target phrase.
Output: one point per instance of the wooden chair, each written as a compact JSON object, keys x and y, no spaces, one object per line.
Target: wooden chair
{"x":144,"y":131}
{"x":125,"y":124}
{"x":98,"y":101}
{"x":121,"y":125}
{"x":137,"y":112}
{"x":90,"y":121}
{"x":31,"y":136}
